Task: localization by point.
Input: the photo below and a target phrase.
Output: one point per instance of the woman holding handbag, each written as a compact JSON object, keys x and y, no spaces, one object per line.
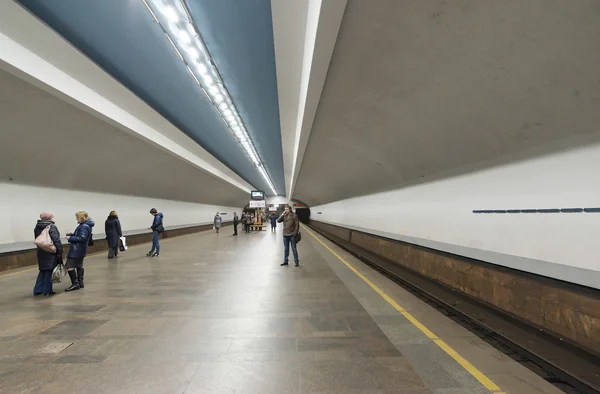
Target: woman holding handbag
{"x":112,"y":229}
{"x":49,"y":252}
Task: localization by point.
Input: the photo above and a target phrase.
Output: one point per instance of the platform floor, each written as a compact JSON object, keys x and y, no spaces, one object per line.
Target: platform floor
{"x":217,"y":314}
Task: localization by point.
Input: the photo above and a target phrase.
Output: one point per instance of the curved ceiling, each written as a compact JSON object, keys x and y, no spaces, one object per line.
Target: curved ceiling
{"x":435,"y":89}
{"x":121,"y":37}
{"x":45,"y":144}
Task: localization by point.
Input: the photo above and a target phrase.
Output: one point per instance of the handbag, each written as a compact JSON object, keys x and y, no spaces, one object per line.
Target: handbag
{"x":44,"y":242}
{"x":298,"y":237}
{"x":123,"y":246}
{"x":58,"y":273}
{"x":160,"y":228}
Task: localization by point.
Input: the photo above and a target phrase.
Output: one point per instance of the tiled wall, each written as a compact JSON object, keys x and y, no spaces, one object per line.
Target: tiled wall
{"x":18,"y":259}
{"x":568,"y":310}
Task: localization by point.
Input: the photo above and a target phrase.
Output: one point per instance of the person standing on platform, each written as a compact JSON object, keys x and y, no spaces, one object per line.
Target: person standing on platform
{"x":248,"y":222}
{"x":217,"y":222}
{"x":291,"y":227}
{"x":112,"y":229}
{"x":273,"y":223}
{"x":157,"y":228}
{"x":79,"y":240}
{"x":47,"y":259}
{"x":236,"y":221}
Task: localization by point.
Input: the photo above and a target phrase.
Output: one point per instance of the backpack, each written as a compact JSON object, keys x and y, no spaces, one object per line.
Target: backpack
{"x":44,"y":242}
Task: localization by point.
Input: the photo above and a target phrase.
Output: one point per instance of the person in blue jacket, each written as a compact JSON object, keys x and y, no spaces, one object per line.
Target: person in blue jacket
{"x":157,"y":228}
{"x":79,"y":240}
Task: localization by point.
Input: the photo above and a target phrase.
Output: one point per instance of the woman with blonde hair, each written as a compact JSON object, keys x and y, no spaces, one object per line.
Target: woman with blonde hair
{"x":79,"y":240}
{"x":112,"y":229}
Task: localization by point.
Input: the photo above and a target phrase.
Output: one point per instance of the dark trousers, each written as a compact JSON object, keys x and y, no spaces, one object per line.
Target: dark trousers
{"x":287,"y":240}
{"x":235,"y":229}
{"x":43,"y":284}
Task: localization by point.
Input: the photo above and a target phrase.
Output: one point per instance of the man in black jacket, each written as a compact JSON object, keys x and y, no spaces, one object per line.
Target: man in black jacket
{"x":236,"y":221}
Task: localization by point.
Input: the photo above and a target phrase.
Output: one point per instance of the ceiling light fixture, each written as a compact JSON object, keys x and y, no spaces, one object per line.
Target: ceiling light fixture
{"x":176,"y":21}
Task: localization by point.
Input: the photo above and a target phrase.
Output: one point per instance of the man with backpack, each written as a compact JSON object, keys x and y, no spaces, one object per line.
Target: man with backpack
{"x":157,"y":228}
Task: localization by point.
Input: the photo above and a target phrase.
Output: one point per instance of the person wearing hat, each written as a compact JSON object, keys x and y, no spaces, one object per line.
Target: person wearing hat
{"x":47,"y":260}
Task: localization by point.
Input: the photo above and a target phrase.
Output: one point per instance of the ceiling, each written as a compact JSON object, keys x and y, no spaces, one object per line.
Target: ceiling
{"x":434,"y":89}
{"x":69,"y":148}
{"x":121,"y":37}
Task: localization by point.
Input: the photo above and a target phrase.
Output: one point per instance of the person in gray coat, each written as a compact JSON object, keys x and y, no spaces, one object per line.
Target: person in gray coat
{"x":217,"y":222}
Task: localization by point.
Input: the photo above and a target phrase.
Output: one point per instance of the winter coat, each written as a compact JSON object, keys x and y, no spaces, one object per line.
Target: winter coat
{"x":218,"y":221}
{"x":48,"y":260}
{"x":236,"y":220}
{"x":79,"y":240}
{"x":273,"y":220}
{"x":158,"y":219}
{"x":291,"y":224}
{"x":112,"y":228}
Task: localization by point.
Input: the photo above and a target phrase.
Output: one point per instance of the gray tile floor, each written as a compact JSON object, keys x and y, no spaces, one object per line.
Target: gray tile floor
{"x":217,"y":314}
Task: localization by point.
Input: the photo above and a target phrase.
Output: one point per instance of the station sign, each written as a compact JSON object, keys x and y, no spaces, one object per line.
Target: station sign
{"x":258,"y":204}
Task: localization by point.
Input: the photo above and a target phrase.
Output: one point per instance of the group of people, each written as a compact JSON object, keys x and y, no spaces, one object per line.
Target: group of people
{"x":247,"y":221}
{"x":291,"y":230}
{"x":82,"y":237}
{"x":80,"y":240}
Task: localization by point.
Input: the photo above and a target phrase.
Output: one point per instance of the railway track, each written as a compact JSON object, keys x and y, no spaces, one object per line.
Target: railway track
{"x":566,"y":366}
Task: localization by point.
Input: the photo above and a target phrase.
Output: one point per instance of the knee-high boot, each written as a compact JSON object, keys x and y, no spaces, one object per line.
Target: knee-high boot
{"x":80,"y":277}
{"x":74,"y":281}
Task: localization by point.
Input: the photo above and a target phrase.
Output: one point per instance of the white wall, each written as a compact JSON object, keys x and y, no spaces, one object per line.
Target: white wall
{"x":439,"y":215}
{"x":21,"y":206}
{"x":276,"y":200}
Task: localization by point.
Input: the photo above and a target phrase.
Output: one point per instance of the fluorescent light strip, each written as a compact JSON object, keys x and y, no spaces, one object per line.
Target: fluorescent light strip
{"x":187,"y":12}
{"x":151,"y":12}
{"x":192,"y":74}
{"x":174,"y":47}
{"x":177,"y":30}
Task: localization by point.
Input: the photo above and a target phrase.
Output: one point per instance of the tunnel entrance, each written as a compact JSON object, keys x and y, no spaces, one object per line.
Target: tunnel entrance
{"x":303,"y":212}
{"x":303,"y":215}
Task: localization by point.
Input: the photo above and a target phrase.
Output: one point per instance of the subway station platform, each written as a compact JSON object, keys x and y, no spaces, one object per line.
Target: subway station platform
{"x":218,"y":314}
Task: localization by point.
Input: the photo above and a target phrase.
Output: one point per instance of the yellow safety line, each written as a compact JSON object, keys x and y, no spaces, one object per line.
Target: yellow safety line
{"x":484,"y":380}
{"x":18,"y":272}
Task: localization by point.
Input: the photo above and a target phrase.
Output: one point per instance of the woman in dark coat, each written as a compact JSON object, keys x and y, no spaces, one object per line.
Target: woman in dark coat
{"x":47,"y":261}
{"x":79,"y":241}
{"x":112,"y":228}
